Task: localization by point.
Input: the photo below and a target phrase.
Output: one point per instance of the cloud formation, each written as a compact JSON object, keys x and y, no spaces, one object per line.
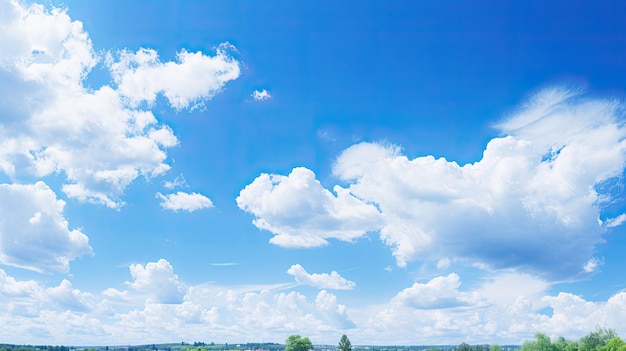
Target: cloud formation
{"x":320,"y":280}
{"x":533,"y":202}
{"x":100,"y":140}
{"x":141,"y":76}
{"x":438,"y":293}
{"x":34,"y":233}
{"x":97,"y":141}
{"x":301,"y":213}
{"x":157,"y":279}
{"x":182,"y":201}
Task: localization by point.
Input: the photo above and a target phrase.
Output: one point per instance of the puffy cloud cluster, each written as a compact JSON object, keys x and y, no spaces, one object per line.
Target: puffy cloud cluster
{"x":301,"y":213}
{"x":495,"y":311}
{"x":157,"y":279}
{"x":320,"y":280}
{"x":100,"y":140}
{"x":34,"y":234}
{"x":97,"y":140}
{"x":533,"y":201}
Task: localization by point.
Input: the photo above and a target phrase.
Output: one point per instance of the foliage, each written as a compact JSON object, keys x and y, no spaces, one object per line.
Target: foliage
{"x":297,"y":343}
{"x":494,"y":347}
{"x":464,"y":347}
{"x":344,"y":343}
{"x":596,"y":339}
{"x":565,"y":345}
{"x":541,"y":343}
{"x":615,"y":344}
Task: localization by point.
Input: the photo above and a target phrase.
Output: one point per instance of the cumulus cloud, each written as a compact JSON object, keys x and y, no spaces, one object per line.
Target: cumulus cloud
{"x":438,"y":293}
{"x":99,"y":139}
{"x":34,"y":233}
{"x":261,"y":95}
{"x":320,"y":280}
{"x":68,"y":297}
{"x":157,"y":279}
{"x":301,"y":213}
{"x":533,"y":202}
{"x":12,"y":288}
{"x":182,"y":201}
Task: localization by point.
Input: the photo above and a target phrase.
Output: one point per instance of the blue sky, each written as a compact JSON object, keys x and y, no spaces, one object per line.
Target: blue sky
{"x":402,"y":172}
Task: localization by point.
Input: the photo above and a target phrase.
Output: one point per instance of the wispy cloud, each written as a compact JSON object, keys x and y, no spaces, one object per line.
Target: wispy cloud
{"x":615,"y":222}
{"x":179,"y":181}
{"x":320,"y":280}
{"x":182,"y":201}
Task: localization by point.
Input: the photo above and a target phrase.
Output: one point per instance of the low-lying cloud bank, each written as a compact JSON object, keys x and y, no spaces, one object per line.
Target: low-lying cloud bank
{"x":157,"y":306}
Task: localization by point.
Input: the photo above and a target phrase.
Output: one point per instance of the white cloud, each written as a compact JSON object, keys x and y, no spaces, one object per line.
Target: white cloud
{"x":438,"y":293}
{"x":69,"y":298}
{"x":116,"y":295}
{"x":182,"y":201}
{"x":531,"y":203}
{"x":99,"y":139}
{"x":14,"y":289}
{"x":320,"y":280}
{"x":616,"y":221}
{"x":301,"y":213}
{"x":446,"y":315}
{"x":179,"y":181}
{"x":34,"y":234}
{"x":140,"y":76}
{"x":506,"y":287}
{"x":261,"y":95}
{"x":592,"y":265}
{"x":157,"y":279}
{"x":444,"y":263}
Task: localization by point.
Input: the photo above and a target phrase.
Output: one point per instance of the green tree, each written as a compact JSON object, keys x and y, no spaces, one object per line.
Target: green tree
{"x":495,"y":347}
{"x":596,"y":339}
{"x":344,"y":343}
{"x":541,"y":343}
{"x":297,"y":343}
{"x":615,"y":344}
{"x":464,"y":347}
{"x":563,"y":344}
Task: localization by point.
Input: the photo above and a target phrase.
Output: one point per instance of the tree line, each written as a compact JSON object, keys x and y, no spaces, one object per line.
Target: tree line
{"x":601,"y":339}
